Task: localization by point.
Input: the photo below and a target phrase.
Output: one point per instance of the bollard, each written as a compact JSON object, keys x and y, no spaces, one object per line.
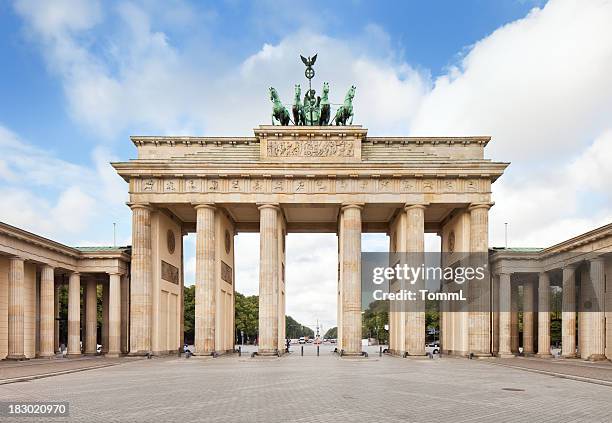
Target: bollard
{"x":240,"y":351}
{"x":380,"y":351}
{"x":302,"y":354}
{"x":317,"y":350}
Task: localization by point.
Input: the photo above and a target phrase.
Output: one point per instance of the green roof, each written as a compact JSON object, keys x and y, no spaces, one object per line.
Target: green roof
{"x":519,"y":249}
{"x":97,"y":249}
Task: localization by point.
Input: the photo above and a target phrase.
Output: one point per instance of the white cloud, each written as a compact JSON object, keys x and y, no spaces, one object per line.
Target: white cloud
{"x":58,"y":199}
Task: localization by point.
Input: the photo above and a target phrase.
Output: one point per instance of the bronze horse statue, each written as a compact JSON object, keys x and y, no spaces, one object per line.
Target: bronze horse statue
{"x":325,"y":108}
{"x":346,"y":110}
{"x":298,"y":108}
{"x":279,"y":112}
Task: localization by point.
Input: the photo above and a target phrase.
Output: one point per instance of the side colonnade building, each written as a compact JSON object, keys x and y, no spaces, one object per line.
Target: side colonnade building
{"x":32,"y":271}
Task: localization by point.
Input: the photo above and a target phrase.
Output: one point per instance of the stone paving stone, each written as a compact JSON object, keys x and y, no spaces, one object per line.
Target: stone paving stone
{"x":318,"y":389}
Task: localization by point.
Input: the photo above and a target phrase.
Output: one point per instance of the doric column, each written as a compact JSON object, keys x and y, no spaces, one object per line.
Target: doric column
{"x":544,"y":315}
{"x":205,"y":294}
{"x":351,"y":278}
{"x":268,"y":278}
{"x":141,"y":289}
{"x":125,"y":314}
{"x":114,"y":315}
{"x":56,"y":312}
{"x":505,"y":316}
{"x":47,"y":316}
{"x":91,"y":316}
{"x":479,"y":292}
{"x":568,"y":314}
{"x":105,"y":318}
{"x":528,"y":306}
{"x":514,"y":323}
{"x":74,"y":314}
{"x":415,"y":247}
{"x":16,"y":308}
{"x":597,"y":331}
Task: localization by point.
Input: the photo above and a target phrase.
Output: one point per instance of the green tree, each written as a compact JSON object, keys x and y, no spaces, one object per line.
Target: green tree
{"x":374,"y":320}
{"x":189,"y":313}
{"x":247,"y":316}
{"x":295,"y":329}
{"x":331,"y":333}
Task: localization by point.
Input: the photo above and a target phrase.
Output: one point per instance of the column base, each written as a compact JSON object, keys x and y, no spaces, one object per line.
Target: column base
{"x":569,"y":356}
{"x":597,"y":357}
{"x":45,"y":355}
{"x":113,"y":354}
{"x":90,"y":353}
{"x":74,"y":355}
{"x":268,"y":353}
{"x":16,"y":357}
{"x":544,"y":355}
{"x":141,"y":353}
{"x":506,"y":355}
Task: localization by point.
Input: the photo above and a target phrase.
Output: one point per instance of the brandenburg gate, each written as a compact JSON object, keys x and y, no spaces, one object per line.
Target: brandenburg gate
{"x":329,"y":178}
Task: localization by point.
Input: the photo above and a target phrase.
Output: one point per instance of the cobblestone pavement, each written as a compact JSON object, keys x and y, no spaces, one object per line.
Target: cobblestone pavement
{"x":601,"y":370}
{"x":42,"y":366}
{"x":317,"y":389}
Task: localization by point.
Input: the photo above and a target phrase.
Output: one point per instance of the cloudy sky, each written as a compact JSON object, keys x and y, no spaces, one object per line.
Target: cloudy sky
{"x":78,"y":77}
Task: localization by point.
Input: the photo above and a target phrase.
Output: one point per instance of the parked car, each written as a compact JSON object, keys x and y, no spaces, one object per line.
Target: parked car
{"x":302,"y":340}
{"x":432,"y":348}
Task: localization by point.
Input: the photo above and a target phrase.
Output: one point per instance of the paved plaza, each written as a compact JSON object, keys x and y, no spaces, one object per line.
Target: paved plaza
{"x":316,"y":389}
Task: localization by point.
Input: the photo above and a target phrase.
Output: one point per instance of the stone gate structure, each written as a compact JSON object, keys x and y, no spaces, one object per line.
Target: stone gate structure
{"x":296,"y":179}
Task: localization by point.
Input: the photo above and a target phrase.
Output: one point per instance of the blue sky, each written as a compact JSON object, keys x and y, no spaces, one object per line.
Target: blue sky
{"x":79,"y":77}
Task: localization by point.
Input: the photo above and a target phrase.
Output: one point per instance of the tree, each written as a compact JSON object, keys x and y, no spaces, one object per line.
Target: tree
{"x":247,"y":316}
{"x":331,"y":333}
{"x":294,"y":329}
{"x":374,"y":320}
{"x":189,"y":313}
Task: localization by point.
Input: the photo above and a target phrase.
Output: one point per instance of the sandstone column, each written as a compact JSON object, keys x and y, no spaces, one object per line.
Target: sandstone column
{"x":16,"y":309}
{"x":597,"y":331}
{"x":114,"y":315}
{"x":568,"y":314}
{"x":91,"y":317}
{"x":74,"y":314}
{"x":125,"y":314}
{"x":140,"y":295}
{"x":205,"y":295}
{"x":544,"y":315}
{"x":479,"y":291}
{"x":351,"y":279}
{"x":415,"y":248}
{"x":105,"y":314}
{"x":56,"y":312}
{"x":268,"y":279}
{"x":514,"y":326}
{"x":505,"y":316}
{"x":528,"y":306}
{"x":47,"y":316}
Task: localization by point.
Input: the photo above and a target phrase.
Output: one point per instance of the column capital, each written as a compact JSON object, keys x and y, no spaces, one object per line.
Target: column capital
{"x":346,"y":206}
{"x":16,"y":258}
{"x":598,"y":259}
{"x":570,"y":266}
{"x":474,"y":206}
{"x":115,"y":273}
{"x":75,"y":273}
{"x":210,"y":206}
{"x":410,"y":206}
{"x":261,"y":206}
{"x":145,"y":206}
